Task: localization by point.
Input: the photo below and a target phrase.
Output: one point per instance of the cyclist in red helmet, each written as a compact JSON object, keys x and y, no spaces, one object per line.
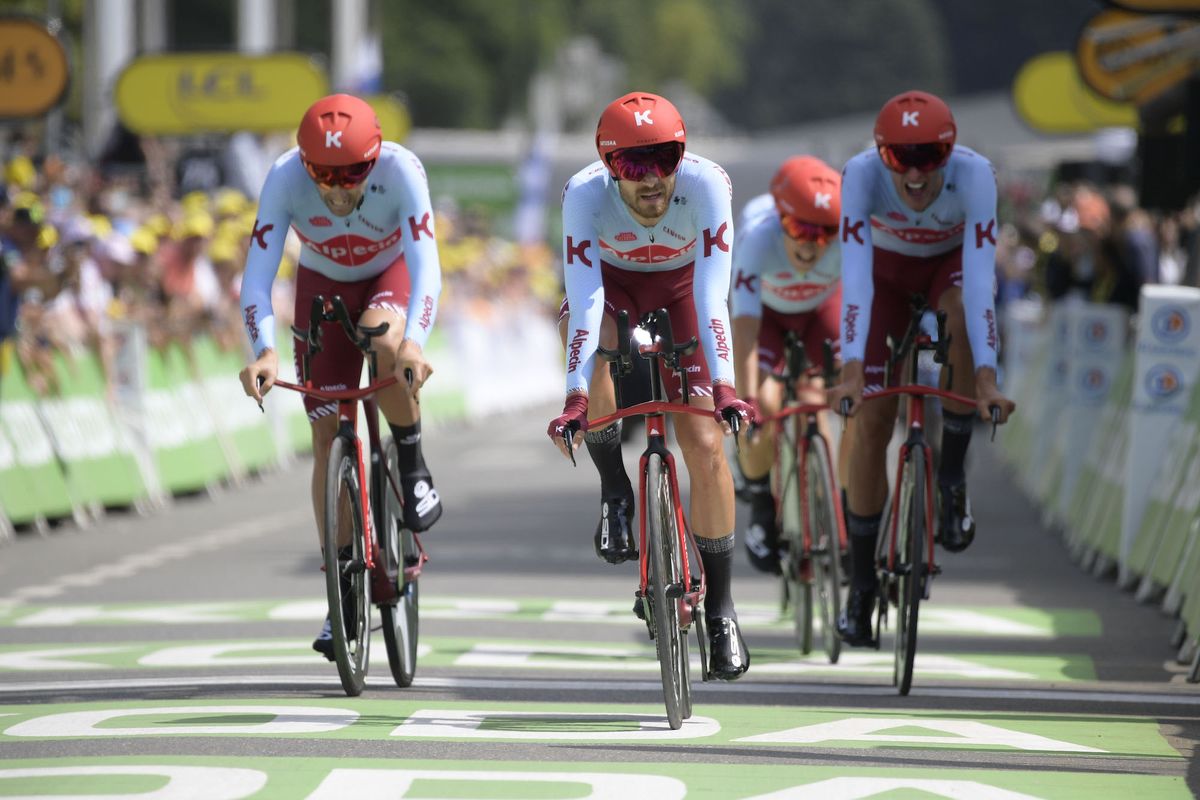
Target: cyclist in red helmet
{"x":918,"y":216}
{"x":650,"y":226}
{"x":361,"y":208}
{"x":786,"y":277}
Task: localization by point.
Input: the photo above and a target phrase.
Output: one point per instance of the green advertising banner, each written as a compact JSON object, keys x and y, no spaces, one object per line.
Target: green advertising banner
{"x":100,"y":465}
{"x":42,"y":489}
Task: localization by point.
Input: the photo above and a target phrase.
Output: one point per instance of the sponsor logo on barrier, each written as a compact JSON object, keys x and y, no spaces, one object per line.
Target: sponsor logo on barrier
{"x":1095,"y":332}
{"x":1163,"y":382}
{"x":1094,"y":383}
{"x":1171,"y":324}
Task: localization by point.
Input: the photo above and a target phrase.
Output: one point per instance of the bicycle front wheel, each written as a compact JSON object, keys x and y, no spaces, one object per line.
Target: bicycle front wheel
{"x":347,"y":584}
{"x":910,"y":552}
{"x":401,"y":623}
{"x":666,"y":584}
{"x":826,"y":543}
{"x":797,"y":572}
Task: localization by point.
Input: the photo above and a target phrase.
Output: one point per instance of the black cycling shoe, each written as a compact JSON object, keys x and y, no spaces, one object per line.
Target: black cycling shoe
{"x":323,"y":644}
{"x":855,"y":625}
{"x":614,"y":540}
{"x":762,"y":536}
{"x":728,"y":656}
{"x":957,"y":525}
{"x":422,"y":504}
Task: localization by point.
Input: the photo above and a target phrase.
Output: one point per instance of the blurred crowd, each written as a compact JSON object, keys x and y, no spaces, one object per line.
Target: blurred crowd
{"x":1094,"y":242}
{"x":85,"y":255}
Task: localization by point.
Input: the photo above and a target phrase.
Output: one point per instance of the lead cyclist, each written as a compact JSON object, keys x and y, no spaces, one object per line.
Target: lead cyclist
{"x":361,"y":208}
{"x":918,"y":216}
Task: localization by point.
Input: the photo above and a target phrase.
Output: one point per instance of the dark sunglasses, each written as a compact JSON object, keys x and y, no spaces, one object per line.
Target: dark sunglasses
{"x":922,"y":157}
{"x":633,"y":163}
{"x":346,"y":177}
{"x":806,"y":231}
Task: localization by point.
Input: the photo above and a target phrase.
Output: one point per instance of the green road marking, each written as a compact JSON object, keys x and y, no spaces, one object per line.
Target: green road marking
{"x":431,"y":779}
{"x":739,"y":726}
{"x":1014,"y":622}
{"x":453,"y":652}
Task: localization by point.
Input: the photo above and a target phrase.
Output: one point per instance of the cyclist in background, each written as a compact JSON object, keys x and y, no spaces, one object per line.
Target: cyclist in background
{"x":786,"y":277}
{"x":650,"y":226}
{"x":361,"y":208}
{"x":918,"y":215}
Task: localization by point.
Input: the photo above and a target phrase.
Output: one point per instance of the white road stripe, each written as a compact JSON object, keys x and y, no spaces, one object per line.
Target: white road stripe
{"x":154,"y":558}
{"x":1189,"y":698}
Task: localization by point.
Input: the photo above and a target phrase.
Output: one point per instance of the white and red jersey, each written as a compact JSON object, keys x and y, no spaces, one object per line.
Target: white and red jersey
{"x":963,"y":215}
{"x":763,"y":275}
{"x":393,"y":219}
{"x":698,"y":227}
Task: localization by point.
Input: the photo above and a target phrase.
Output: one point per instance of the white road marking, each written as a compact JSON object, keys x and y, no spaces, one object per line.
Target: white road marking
{"x":1166,"y":698}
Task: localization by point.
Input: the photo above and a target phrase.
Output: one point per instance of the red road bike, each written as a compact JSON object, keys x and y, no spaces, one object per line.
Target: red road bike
{"x":368,"y":554}
{"x":671,"y":582}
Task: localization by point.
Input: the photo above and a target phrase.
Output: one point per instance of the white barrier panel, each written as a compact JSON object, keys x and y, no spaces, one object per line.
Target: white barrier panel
{"x":1096,"y":342}
{"x":1165,"y":368}
{"x":1054,"y":396}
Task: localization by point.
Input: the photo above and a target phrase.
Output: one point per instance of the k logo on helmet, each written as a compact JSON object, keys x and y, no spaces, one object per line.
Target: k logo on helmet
{"x":912,"y":118}
{"x":643,"y":117}
{"x":333,"y":139}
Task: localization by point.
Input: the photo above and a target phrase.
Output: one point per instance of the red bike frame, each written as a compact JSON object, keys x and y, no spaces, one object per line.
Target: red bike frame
{"x":655,"y":413}
{"x":810,"y":410}
{"x":915,"y":421}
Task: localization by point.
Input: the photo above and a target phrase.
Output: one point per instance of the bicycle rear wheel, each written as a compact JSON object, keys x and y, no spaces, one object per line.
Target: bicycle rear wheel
{"x":401,"y":622}
{"x":347,"y":584}
{"x":826,"y":544}
{"x":797,"y":576}
{"x":665,"y":585}
{"x":910,"y":551}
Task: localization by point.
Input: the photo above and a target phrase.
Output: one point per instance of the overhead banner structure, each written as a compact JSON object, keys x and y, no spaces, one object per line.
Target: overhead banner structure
{"x":1050,"y":97}
{"x":186,"y":93}
{"x":1132,"y":58}
{"x":33,"y":68}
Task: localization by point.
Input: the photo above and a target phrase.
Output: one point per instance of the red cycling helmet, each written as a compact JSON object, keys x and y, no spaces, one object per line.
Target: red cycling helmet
{"x":915,"y":118}
{"x":638,"y":119}
{"x":339,"y":131}
{"x":915,"y":130}
{"x":809,"y":190}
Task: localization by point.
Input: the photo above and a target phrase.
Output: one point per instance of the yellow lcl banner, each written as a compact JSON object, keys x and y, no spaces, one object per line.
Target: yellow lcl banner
{"x":1050,"y":97}
{"x":180,"y":94}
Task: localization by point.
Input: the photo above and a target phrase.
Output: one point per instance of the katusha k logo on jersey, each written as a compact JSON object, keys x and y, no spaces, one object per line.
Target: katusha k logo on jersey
{"x":351,"y":249}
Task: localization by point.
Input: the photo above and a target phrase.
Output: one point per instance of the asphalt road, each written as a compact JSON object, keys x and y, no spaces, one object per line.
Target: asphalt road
{"x":168,"y":656}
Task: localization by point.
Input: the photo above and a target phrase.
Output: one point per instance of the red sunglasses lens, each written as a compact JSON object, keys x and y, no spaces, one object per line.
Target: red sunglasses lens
{"x":922,"y":157}
{"x":806,"y":231}
{"x":634,"y":163}
{"x":346,"y":177}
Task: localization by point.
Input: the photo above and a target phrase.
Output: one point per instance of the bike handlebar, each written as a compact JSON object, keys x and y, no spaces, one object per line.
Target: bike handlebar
{"x":651,"y":407}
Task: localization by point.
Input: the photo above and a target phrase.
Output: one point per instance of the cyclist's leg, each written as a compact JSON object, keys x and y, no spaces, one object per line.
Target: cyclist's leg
{"x":757,"y":455}
{"x":866,"y":456}
{"x":711,"y":489}
{"x":957,"y":526}
{"x":338,"y":364}
{"x":614,"y":540}
{"x":387,"y":301}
